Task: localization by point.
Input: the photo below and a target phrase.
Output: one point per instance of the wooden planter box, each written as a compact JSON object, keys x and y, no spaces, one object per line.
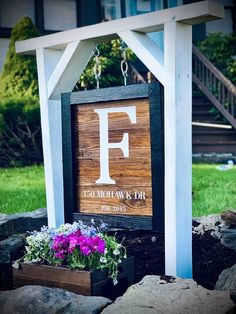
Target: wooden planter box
{"x":78,"y":281}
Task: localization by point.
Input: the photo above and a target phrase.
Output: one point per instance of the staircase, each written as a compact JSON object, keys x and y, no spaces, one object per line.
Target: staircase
{"x":214,"y":106}
{"x":214,"y":112}
{"x":211,"y":132}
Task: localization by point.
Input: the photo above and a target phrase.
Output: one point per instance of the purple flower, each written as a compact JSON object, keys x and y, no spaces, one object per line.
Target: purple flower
{"x":85,"y":249}
{"x":99,"y":245}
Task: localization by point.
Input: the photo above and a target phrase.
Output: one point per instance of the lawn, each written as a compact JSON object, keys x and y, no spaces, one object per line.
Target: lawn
{"x":23,"y":189}
{"x":213,"y":190}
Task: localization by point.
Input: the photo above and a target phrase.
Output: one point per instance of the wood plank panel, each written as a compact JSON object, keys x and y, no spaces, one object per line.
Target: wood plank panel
{"x":112,"y":200}
{"x":132,"y":174}
{"x":89,"y":145}
{"x":87,"y":120}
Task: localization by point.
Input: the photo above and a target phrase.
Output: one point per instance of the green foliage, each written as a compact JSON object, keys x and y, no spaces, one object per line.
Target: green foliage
{"x":213,"y":190}
{"x":22,"y":189}
{"x":110,"y":59}
{"x":19,"y":75}
{"x":220,"y":49}
{"x":20,"y":132}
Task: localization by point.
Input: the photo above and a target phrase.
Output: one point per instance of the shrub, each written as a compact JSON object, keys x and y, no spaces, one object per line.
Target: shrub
{"x":19,"y":75}
{"x":220,"y":49}
{"x":20,"y":132}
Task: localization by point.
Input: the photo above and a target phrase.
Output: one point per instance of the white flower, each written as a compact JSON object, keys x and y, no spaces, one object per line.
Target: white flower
{"x":103,"y":259}
{"x":116,"y":252}
{"x":115,"y":281}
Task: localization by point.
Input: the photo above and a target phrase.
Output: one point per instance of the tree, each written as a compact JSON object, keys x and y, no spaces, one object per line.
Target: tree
{"x":19,"y":75}
{"x":220,"y":49}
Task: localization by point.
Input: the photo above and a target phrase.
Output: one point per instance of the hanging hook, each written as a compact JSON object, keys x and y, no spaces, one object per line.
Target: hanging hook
{"x":97,"y":69}
{"x":124,"y":64}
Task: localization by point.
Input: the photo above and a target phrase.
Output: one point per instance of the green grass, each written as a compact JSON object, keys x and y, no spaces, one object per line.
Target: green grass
{"x":213,"y":190}
{"x":23,"y":189}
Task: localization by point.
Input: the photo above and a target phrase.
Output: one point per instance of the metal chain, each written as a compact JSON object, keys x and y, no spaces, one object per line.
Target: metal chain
{"x":97,"y":69}
{"x":124,"y":64}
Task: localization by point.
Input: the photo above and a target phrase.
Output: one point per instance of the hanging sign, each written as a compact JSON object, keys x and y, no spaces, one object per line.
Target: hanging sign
{"x":108,"y":151}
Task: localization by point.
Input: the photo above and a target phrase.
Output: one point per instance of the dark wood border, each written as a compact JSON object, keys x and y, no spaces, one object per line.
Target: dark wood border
{"x":155,"y":94}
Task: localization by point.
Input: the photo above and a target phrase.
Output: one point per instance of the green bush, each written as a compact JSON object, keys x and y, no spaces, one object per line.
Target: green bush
{"x":20,"y":132}
{"x":220,"y":49}
{"x":19,"y":75}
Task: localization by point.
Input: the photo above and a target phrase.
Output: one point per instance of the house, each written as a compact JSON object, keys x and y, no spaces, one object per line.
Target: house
{"x":57,"y":15}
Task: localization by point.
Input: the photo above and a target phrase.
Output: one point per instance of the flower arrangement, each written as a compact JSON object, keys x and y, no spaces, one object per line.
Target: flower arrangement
{"x":77,"y":246}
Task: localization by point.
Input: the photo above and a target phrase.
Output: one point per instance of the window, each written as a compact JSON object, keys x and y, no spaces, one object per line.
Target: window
{"x":111,"y":9}
{"x":59,"y":15}
{"x":142,"y":6}
{"x":11,"y":11}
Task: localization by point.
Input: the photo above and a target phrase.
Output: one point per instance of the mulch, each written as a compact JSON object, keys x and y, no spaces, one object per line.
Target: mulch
{"x":210,"y":257}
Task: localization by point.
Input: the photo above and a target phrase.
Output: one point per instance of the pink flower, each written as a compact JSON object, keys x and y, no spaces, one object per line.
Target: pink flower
{"x":99,"y":245}
{"x":85,"y":249}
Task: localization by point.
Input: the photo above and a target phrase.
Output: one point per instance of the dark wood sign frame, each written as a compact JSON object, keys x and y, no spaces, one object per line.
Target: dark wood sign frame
{"x":154,"y":92}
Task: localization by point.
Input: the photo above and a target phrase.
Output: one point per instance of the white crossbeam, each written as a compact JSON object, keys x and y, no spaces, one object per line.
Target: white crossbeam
{"x":189,"y":14}
{"x":145,"y":49}
{"x":69,"y":68}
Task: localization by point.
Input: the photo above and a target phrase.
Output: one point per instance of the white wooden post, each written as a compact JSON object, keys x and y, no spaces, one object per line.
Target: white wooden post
{"x":178,"y":149}
{"x":52,"y":139}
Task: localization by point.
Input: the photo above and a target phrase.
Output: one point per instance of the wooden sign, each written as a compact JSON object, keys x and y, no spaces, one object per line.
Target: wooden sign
{"x":113,"y":155}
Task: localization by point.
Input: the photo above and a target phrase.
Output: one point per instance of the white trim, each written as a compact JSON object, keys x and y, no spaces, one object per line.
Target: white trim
{"x":212,"y":125}
{"x":145,"y":49}
{"x":69,"y":68}
{"x":189,"y":14}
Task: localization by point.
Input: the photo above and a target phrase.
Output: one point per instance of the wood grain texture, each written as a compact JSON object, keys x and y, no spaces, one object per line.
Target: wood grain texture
{"x":132,"y":174}
{"x":78,"y":281}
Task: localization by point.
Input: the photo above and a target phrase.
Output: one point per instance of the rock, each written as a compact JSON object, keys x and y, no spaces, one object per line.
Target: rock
{"x":20,"y":223}
{"x":228,"y":237}
{"x":5,"y":257}
{"x":10,"y":248}
{"x":41,"y":300}
{"x":218,"y":229}
{"x":212,"y":223}
{"x":155,"y":294}
{"x":227,"y":282}
{"x":14,"y":245}
{"x":229,"y":216}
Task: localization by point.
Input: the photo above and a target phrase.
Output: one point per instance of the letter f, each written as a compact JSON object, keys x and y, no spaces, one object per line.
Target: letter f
{"x":105,"y":145}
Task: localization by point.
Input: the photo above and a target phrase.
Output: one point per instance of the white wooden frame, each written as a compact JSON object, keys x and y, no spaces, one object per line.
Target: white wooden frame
{"x":61,"y":59}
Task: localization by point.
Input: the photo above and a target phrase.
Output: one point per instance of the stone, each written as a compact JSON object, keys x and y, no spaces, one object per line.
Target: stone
{"x":165,"y":295}
{"x":229,"y":216}
{"x":212,"y":223}
{"x":41,"y":300}
{"x":23,"y":222}
{"x":227,"y":282}
{"x":14,"y":245}
{"x":218,"y":229}
{"x":228,"y":237}
{"x":10,"y":248}
{"x":5,"y":257}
